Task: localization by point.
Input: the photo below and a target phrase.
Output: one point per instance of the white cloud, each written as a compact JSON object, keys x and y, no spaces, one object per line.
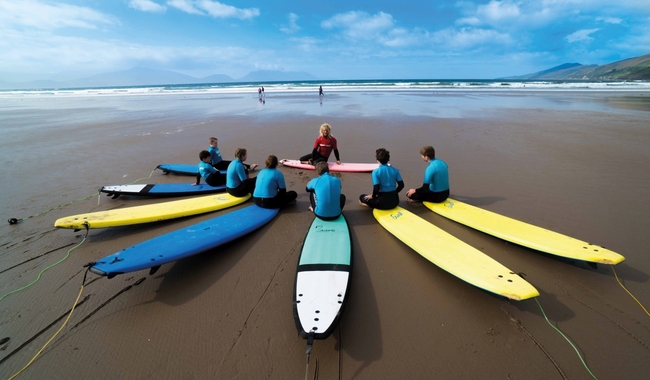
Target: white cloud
{"x":49,"y":16}
{"x":293,"y":26}
{"x":581,"y":35}
{"x":468,"y":38}
{"x":146,"y":6}
{"x":610,"y":20}
{"x":380,"y":27}
{"x":214,"y":9}
{"x":498,"y":11}
{"x":360,"y":25}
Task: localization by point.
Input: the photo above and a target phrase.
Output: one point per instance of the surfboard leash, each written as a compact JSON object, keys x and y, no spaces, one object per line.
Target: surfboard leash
{"x":58,"y":331}
{"x":98,"y":194}
{"x":567,"y":339}
{"x":48,"y":267}
{"x":310,"y":344}
{"x":18,"y":220}
{"x":628,"y":292}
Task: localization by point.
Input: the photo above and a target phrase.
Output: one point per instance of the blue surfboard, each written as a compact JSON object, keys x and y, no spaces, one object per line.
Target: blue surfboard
{"x":322,"y":278}
{"x":162,"y":189}
{"x":185,"y":242}
{"x":180,"y":169}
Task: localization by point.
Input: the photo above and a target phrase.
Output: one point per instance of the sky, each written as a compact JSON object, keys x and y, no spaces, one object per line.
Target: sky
{"x":333,"y":39}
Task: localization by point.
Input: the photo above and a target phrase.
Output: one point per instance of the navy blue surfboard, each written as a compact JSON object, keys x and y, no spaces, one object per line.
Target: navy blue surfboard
{"x":180,"y":169}
{"x":162,"y":189}
{"x":185,"y":242}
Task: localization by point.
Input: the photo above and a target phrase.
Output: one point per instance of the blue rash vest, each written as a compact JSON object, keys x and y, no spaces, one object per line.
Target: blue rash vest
{"x":437,"y":175}
{"x":215,"y":155}
{"x":268,"y":182}
{"x":206,"y":169}
{"x":386,"y":177}
{"x":236,"y":174}
{"x":327,"y":192}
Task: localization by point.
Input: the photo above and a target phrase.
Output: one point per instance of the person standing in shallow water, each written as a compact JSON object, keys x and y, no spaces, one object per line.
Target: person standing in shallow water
{"x":320,"y":91}
{"x":436,"y":179}
{"x":387,"y":183}
{"x":324,"y":145}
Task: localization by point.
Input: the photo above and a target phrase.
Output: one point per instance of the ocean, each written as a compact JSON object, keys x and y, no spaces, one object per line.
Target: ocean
{"x":419,"y":85}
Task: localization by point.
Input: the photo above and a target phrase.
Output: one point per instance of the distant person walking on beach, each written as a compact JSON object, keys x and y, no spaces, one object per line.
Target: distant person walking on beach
{"x":237,"y":182}
{"x":387,"y":183}
{"x":211,"y":175}
{"x":270,"y":188}
{"x":259,"y":92}
{"x":325,"y":198}
{"x":320,"y":91}
{"x":263,"y":94}
{"x":323,"y":147}
{"x":436,"y":179}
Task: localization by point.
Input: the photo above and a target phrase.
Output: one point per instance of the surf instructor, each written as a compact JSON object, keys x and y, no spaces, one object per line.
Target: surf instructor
{"x":436,"y":179}
{"x":323,"y":147}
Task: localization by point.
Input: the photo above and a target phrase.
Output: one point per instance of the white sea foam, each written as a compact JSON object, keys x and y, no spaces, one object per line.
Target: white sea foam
{"x":423,"y":86}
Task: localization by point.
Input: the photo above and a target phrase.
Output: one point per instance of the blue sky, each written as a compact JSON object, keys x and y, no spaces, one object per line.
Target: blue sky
{"x":332,"y":39}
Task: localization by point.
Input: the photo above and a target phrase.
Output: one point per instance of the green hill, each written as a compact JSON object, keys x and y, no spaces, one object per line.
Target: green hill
{"x":637,"y":68}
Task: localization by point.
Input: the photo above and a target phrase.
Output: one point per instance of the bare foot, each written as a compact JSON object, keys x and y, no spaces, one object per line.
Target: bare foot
{"x":253,"y":166}
{"x":363,"y":204}
{"x":311,"y":209}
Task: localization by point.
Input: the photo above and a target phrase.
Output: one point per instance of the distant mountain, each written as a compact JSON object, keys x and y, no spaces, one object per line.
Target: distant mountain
{"x":139,"y":76}
{"x":276,"y":76}
{"x":637,"y":68}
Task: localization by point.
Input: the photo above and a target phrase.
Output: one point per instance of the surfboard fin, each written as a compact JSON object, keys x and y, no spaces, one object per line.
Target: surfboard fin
{"x":154,"y":270}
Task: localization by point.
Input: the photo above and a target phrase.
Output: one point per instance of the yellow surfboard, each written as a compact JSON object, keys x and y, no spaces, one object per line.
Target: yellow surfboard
{"x":150,"y":213}
{"x":524,"y":234}
{"x":453,"y":255}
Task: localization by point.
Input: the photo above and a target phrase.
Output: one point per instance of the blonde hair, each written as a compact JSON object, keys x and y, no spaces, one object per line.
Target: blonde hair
{"x":325,"y":128}
{"x":213,"y":139}
{"x":240,"y":152}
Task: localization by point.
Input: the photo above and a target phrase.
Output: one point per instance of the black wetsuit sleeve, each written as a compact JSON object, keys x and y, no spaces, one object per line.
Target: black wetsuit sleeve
{"x":400,"y":186}
{"x":336,"y":154}
{"x":313,"y":153}
{"x":423,"y":189}
{"x":375,"y":191}
{"x":198,"y":178}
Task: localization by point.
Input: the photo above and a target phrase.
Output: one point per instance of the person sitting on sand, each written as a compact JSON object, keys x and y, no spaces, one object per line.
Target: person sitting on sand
{"x":387,"y":183}
{"x":323,"y":147}
{"x":325,"y":198}
{"x":270,"y":188}
{"x":211,"y":175}
{"x":217,"y":161}
{"x":237,"y":182}
{"x":436,"y":179}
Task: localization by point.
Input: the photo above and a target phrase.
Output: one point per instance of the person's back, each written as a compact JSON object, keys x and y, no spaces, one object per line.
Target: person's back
{"x":236,"y":173}
{"x":325,"y":194}
{"x":438,"y":172}
{"x":269,"y":181}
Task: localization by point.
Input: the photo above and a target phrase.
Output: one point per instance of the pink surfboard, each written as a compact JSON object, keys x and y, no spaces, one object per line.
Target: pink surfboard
{"x":343,"y":167}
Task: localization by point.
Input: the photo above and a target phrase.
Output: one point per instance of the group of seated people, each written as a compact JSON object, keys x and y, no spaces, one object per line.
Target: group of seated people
{"x":326,"y":200}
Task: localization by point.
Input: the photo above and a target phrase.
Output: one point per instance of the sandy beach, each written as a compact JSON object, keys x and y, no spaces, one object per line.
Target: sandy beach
{"x":571,"y":161}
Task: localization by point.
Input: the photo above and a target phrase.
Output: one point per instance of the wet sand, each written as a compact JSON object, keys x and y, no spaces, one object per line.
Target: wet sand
{"x":573,"y":162}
